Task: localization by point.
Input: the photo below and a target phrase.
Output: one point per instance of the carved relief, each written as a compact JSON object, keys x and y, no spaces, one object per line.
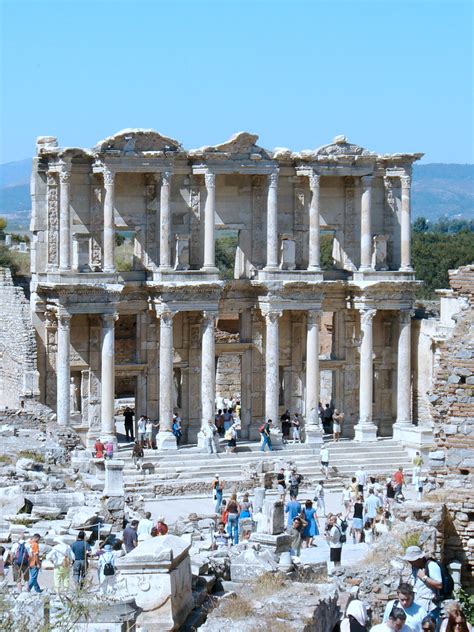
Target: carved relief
{"x":95,"y":248}
{"x":53,"y":222}
{"x":389,"y":195}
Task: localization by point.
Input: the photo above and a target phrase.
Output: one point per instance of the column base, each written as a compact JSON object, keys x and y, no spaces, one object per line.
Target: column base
{"x":405,"y":269}
{"x":109,"y":270}
{"x":165,"y":268}
{"x":314,"y":268}
{"x":415,"y":437}
{"x":166,"y":441}
{"x":365,"y":432}
{"x":210,"y":269}
{"x":313,"y":435}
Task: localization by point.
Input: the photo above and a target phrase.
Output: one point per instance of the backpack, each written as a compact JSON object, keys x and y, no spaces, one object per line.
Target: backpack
{"x":342,"y":537}
{"x":447,"y":583}
{"x":109,"y":569}
{"x":22,"y":557}
{"x":343,"y":526}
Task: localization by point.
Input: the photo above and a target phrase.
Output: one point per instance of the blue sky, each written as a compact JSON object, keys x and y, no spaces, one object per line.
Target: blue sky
{"x":391,"y":75}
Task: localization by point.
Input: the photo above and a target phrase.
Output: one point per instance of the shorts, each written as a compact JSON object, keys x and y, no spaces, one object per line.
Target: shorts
{"x":20,"y":573}
{"x":357,"y":523}
{"x":336,"y":428}
{"x":325,"y":463}
{"x":281,"y":490}
{"x":360,"y":488}
{"x":335,"y":554}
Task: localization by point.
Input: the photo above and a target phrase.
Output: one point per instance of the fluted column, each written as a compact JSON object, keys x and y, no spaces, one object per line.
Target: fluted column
{"x":209,"y":221}
{"x":405,"y":225}
{"x":365,"y":430}
{"x":107,"y":377}
{"x":63,"y":368}
{"x":272,"y":221}
{"x":64,"y":219}
{"x":165,"y":220}
{"x":272,"y":365}
{"x":109,"y":232}
{"x":404,"y":416}
{"x":366,"y":224}
{"x":165,"y":439}
{"x":312,"y":429}
{"x":208,"y":373}
{"x":314,"y":232}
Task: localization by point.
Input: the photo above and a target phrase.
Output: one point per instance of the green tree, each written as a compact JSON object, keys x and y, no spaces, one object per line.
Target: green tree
{"x":3,"y":224}
{"x":420,"y":225}
{"x":225,"y":255}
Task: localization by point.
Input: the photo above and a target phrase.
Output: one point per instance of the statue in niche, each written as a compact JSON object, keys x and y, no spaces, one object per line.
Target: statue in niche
{"x":379,"y":252}
{"x":288,"y":254}
{"x":73,"y":393}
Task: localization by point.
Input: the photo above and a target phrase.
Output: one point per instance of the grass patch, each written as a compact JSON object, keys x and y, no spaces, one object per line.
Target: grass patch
{"x":411,"y":539}
{"x":33,"y":455}
{"x":235,"y":608}
{"x":267,"y":584}
{"x":5,"y":458}
{"x":24,"y":520}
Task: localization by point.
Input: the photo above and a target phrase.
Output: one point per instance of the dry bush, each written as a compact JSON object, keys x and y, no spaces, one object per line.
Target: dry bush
{"x":267,"y":584}
{"x":410,"y":539}
{"x":235,"y":608}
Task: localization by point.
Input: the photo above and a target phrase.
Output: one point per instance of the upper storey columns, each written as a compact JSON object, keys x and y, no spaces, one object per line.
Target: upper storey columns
{"x":109,"y":230}
{"x":405,"y":255}
{"x":366,"y":224}
{"x":272,"y":222}
{"x":165,"y":220}
{"x":314,"y":211}
{"x":209,"y":222}
{"x":65,"y":217}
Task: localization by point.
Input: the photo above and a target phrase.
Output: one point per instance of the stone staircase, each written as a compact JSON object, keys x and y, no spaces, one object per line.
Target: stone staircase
{"x":192,"y":469}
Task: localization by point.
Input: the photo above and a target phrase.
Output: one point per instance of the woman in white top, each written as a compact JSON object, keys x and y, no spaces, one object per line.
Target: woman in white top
{"x":107,"y":570}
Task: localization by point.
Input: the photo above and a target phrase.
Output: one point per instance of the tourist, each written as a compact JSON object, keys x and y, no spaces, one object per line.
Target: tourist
{"x":324,"y":458}
{"x":238,"y":410}
{"x":319,"y":497}
{"x":161,"y":526}
{"x":34,"y":562}
{"x":368,"y":532}
{"x":455,"y":621}
{"x":233,"y":510}
{"x":389,"y":492}
{"x":217,"y":491}
{"x":420,"y":486}
{"x":145,"y":525}
{"x":293,"y":509}
{"x":209,"y":433}
{"x":265,"y":435}
{"x":381,"y":526}
{"x":295,"y":482}
{"x":354,"y":488}
{"x":109,"y":450}
{"x":246,"y":507}
{"x":347,"y":500}
{"x":231,"y":438}
{"x":99,"y":449}
{"x":107,"y":570}
{"x":338,"y":418}
{"x":176,"y":428}
{"x":148,"y":433}
{"x":417,"y":464}
{"x":221,"y":537}
{"x":357,"y":519}
{"x":320,"y":414}
{"x":285,"y":426}
{"x":361,"y":477}
{"x":62,"y":558}
{"x":130,"y":536}
{"x":219,"y":422}
{"x":155,"y":430}
{"x":296,"y":425}
{"x":154,"y":532}
{"x":356,"y":617}
{"x":372,"y":503}
{"x":128,"y":415}
{"x":137,"y":455}
{"x":20,"y":561}
{"x":141,"y":427}
{"x":311,"y":529}
{"x":327,"y":419}
{"x":224,"y":512}
{"x":335,"y":538}
{"x":428,"y":624}
{"x":295,"y":531}
{"x":227,"y":417}
{"x":81,"y":550}
{"x":4,"y":557}
{"x":405,"y":600}
{"x":396,"y":622}
{"x":281,"y":484}
{"x":399,"y":483}
{"x":426,"y":579}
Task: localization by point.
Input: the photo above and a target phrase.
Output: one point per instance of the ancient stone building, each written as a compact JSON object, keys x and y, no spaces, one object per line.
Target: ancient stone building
{"x":153,"y":331}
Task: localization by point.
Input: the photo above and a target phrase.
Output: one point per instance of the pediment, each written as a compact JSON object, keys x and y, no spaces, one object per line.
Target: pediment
{"x":341,"y":147}
{"x":135,"y":141}
{"x":239,"y":143}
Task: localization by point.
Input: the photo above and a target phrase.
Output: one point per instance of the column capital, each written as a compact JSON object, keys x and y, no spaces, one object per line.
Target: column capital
{"x":166,"y":178}
{"x":405,"y":181}
{"x":366,"y":181}
{"x":166,"y":317}
{"x":314,"y":317}
{"x":272,"y":316}
{"x":64,"y":319}
{"x":406,"y":315}
{"x":108,"y":320}
{"x":208,"y":316}
{"x":367,"y":316}
{"x":273,"y":178}
{"x":109,"y":176}
{"x":51,"y":179}
{"x":314,"y":180}
{"x":210,"y":180}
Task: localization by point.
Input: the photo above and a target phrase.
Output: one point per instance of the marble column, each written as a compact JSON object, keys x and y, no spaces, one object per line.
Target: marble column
{"x":209,"y":222}
{"x":365,"y":224}
{"x":107,"y":378}
{"x":314,"y":232}
{"x":272,"y":222}
{"x":109,"y":232}
{"x":165,"y":439}
{"x":272,"y":366}
{"x":208,"y":372}
{"x":405,"y":225}
{"x":404,"y":416}
{"x":313,"y":426}
{"x":366,"y":430}
{"x":63,"y":368}
{"x":165,"y":221}
{"x":64,"y":220}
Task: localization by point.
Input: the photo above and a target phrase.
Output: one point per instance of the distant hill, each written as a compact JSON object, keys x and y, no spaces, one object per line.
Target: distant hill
{"x":438,"y":190}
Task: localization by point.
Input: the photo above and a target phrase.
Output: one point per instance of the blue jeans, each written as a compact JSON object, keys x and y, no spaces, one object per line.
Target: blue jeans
{"x":266,"y":441}
{"x":33,"y":583}
{"x":218,"y":501}
{"x":233,"y":527}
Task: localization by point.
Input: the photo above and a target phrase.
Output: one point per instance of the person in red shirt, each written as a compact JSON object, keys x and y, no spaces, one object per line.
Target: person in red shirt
{"x":99,"y":449}
{"x":161,"y":526}
{"x":399,"y":482}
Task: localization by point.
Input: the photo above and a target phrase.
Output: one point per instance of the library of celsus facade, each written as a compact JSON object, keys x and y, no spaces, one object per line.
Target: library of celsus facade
{"x":298,"y":332}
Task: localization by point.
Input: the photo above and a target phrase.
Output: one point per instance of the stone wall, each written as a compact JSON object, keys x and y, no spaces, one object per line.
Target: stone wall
{"x":18,"y":371}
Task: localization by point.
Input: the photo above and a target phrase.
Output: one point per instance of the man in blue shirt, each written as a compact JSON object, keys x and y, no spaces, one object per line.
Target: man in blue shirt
{"x":293,"y":509}
{"x":81,"y":550}
{"x":405,"y":600}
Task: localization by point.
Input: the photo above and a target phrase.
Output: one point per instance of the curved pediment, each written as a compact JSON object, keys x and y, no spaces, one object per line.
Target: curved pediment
{"x":341,"y":147}
{"x":135,"y":141}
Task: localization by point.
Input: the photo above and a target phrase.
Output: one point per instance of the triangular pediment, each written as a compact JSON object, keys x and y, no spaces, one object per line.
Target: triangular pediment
{"x":341,"y":147}
{"x":135,"y":141}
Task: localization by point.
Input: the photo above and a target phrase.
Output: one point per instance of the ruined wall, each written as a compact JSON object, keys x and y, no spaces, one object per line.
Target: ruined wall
{"x":18,"y":374}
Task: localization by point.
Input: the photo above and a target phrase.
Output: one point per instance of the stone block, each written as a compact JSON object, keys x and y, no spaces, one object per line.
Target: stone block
{"x":114,"y":478}
{"x":450,"y":429}
{"x":462,"y":371}
{"x":454,"y":379}
{"x":250,"y":564}
{"x":273,"y":517}
{"x":275,"y":543}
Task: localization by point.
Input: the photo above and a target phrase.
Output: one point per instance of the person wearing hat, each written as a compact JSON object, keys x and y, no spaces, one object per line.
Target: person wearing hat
{"x":161,"y":526}
{"x":217,"y":490}
{"x":395,"y":622}
{"x":107,"y":570}
{"x":426,"y":579}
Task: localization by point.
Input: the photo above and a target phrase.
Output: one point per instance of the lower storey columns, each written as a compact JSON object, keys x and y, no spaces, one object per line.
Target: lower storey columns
{"x":108,"y":377}
{"x":312,"y":429}
{"x":165,"y":439}
{"x":366,"y":430}
{"x":63,"y":368}
{"x":272,"y":366}
{"x":208,"y":371}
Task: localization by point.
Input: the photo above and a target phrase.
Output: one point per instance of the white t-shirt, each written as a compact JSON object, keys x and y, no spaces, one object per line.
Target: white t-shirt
{"x":383,"y":627}
{"x":144,"y":526}
{"x":361,"y":477}
{"x":335,"y":538}
{"x":415,"y":614}
{"x":324,"y":455}
{"x":424,"y":595}
{"x":371,"y":504}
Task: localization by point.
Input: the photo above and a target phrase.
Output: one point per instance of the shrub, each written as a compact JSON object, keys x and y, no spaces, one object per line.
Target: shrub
{"x":33,"y":455}
{"x":411,"y":539}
